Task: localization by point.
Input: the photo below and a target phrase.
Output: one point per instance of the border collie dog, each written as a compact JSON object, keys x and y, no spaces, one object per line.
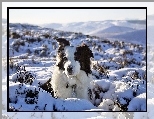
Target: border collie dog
{"x":72,"y":75}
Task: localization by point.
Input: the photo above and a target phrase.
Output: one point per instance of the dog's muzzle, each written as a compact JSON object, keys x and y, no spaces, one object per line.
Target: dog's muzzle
{"x":70,"y":70}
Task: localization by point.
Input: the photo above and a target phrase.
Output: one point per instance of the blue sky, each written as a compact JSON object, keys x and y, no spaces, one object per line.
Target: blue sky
{"x":65,"y":16}
{"x":40,"y":16}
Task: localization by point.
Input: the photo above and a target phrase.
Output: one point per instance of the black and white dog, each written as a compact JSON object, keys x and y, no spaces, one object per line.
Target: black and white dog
{"x":72,"y":75}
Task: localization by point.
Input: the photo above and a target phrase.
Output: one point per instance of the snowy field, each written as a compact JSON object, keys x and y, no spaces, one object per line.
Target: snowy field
{"x":118,"y":68}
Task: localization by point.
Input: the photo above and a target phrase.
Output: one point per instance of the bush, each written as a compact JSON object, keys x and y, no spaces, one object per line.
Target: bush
{"x":12,"y":65}
{"x":15,"y":35}
{"x":23,"y":76}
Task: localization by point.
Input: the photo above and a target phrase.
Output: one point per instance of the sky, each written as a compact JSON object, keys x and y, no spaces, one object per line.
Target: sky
{"x":41,"y":16}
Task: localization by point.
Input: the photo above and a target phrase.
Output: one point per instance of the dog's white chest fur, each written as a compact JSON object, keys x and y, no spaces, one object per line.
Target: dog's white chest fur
{"x":64,"y":87}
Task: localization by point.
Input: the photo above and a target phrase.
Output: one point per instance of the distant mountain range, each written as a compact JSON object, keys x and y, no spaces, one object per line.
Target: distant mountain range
{"x":112,"y":30}
{"x":135,"y":36}
{"x":127,"y":30}
{"x":91,"y":26}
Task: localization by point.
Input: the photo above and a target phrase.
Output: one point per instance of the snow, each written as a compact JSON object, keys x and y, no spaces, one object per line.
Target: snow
{"x":118,"y":84}
{"x":104,"y":84}
{"x":43,"y":101}
{"x":74,"y":104}
{"x":107,"y":105}
{"x":138,"y":102}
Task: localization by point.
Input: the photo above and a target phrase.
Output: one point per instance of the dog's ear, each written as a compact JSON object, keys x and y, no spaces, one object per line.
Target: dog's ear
{"x":85,"y":51}
{"x":62,"y":42}
{"x":83,"y":55}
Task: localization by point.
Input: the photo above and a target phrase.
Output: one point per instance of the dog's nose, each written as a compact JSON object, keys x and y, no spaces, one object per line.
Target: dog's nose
{"x":70,"y":68}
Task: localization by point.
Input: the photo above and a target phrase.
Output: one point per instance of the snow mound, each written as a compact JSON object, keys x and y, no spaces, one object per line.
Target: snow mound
{"x":25,"y":97}
{"x":138,"y":103}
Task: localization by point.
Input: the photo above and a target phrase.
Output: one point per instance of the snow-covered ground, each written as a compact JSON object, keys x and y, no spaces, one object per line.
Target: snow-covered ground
{"x":118,"y":69}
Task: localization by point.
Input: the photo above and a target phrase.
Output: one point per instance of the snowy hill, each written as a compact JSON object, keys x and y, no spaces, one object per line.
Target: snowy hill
{"x":116,"y":29}
{"x":104,"y":29}
{"x":118,"y":69}
{"x":91,"y":26}
{"x":138,"y":36}
{"x":110,"y":32}
{"x":23,"y":26}
{"x":53,"y":25}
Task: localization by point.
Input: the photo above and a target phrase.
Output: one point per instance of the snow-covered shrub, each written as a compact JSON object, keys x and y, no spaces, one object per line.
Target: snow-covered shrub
{"x":23,"y":76}
{"x":36,"y":52}
{"x":100,"y":70}
{"x":28,"y":51}
{"x":28,"y":96}
{"x":15,"y":45}
{"x":103,"y":89}
{"x":23,"y":97}
{"x":120,"y":93}
{"x":107,"y":105}
{"x":46,"y":35}
{"x":43,"y":52}
{"x":38,"y":39}
{"x":15,"y":35}
{"x":31,"y":40}
{"x":13,"y":67}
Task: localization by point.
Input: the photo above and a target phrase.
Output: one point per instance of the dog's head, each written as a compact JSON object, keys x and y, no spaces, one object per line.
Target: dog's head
{"x":72,"y":59}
